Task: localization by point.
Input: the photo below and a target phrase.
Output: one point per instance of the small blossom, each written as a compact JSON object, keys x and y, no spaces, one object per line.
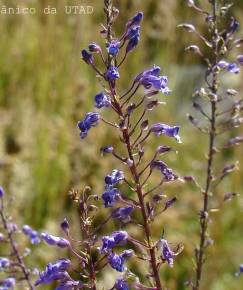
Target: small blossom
{"x":7,"y":283}
{"x":122,"y":213}
{"x":65,"y":226}
{"x":160,"y":128}
{"x":109,"y":197}
{"x":1,"y":192}
{"x":230,"y":67}
{"x":121,"y":284}
{"x":112,"y":73}
{"x":136,"y":20}
{"x":113,"y":47}
{"x":91,"y":120}
{"x":166,"y":253}
{"x":87,"y":57}
{"x":109,"y":242}
{"x":165,"y":170}
{"x":106,"y":149}
{"x":102,"y":100}
{"x":234,"y":25}
{"x":55,"y":271}
{"x":33,"y":235}
{"x":150,"y":79}
{"x":233,"y":68}
{"x":116,"y":176}
{"x":4,"y":263}
{"x":117,"y":261}
{"x":93,"y":47}
{"x":55,"y":241}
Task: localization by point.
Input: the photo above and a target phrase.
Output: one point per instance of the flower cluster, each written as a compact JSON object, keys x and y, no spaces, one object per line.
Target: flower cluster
{"x":134,"y":134}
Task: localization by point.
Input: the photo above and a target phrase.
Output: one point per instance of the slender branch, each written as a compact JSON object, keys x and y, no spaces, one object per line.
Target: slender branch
{"x":139,"y":191}
{"x":200,"y":253}
{"x":13,"y":245}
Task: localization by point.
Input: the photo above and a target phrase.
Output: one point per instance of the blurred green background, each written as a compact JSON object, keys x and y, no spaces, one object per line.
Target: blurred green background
{"x":45,"y":89}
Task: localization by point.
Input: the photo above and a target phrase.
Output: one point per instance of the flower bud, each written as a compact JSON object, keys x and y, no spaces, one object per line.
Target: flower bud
{"x":87,"y":57}
{"x":93,"y":47}
{"x":65,"y":226}
{"x":1,"y":192}
{"x":188,"y":27}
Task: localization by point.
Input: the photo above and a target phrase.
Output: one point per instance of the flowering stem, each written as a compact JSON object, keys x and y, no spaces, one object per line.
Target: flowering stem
{"x":212,"y":135}
{"x":136,"y":178}
{"x":118,"y":108}
{"x":13,"y":245}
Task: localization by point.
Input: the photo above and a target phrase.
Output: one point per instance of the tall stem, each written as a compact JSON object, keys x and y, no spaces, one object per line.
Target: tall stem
{"x":140,"y":195}
{"x":134,"y":171}
{"x":200,"y":254}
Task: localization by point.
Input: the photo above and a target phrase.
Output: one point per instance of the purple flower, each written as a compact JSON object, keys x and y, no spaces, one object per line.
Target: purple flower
{"x":150,"y":79}
{"x":87,"y":57}
{"x":65,"y":226}
{"x":109,"y":242}
{"x":240,"y":271}
{"x":135,"y":20}
{"x":233,"y":68}
{"x":240,"y":59}
{"x":55,"y":241}
{"x":165,"y":170}
{"x":109,"y":197}
{"x":93,"y":47}
{"x":234,"y":25}
{"x":160,"y":128}
{"x":154,"y":71}
{"x":230,"y":67}
{"x":33,"y":235}
{"x":117,"y":261}
{"x":116,"y":176}
{"x":55,"y":271}
{"x":4,"y":263}
{"x":121,"y":284}
{"x":157,"y":83}
{"x":90,"y":120}
{"x":122,"y":213}
{"x":1,"y":192}
{"x":132,"y":43}
{"x":112,"y":73}
{"x":106,"y":149}
{"x":166,"y":253}
{"x":102,"y":100}
{"x":7,"y":283}
{"x":131,"y":32}
{"x":113,"y":47}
